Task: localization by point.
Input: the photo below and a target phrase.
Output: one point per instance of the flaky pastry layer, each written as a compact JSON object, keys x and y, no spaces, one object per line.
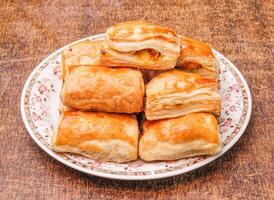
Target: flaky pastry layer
{"x":177,"y":93}
{"x":140,"y":44}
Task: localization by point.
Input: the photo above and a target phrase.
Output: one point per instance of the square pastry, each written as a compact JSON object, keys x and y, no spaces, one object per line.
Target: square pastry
{"x":177,"y":93}
{"x":170,"y":139}
{"x":99,"y":88}
{"x":140,"y":44}
{"x":100,"y":136}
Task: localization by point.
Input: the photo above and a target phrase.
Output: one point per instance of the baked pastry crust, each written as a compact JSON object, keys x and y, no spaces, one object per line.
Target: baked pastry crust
{"x":197,"y":56}
{"x":177,"y":93}
{"x":99,"y":88}
{"x":140,"y":44}
{"x":99,"y":136}
{"x":82,"y":53}
{"x":170,"y":139}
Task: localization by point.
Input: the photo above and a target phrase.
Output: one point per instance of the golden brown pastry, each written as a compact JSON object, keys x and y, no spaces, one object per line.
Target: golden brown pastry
{"x":197,"y":56}
{"x":170,"y":139}
{"x":140,"y":44}
{"x":99,"y":136}
{"x":177,"y":93}
{"x":99,"y":88}
{"x":82,"y":53}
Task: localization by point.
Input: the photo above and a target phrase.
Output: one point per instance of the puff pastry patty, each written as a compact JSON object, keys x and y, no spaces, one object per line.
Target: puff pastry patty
{"x":99,"y":88}
{"x":140,"y":44}
{"x":170,"y":139}
{"x":82,"y":53}
{"x":197,"y":56}
{"x":100,"y":136}
{"x":177,"y":93}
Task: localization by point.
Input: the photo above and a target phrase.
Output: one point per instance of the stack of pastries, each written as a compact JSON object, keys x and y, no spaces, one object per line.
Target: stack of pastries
{"x":139,"y":67}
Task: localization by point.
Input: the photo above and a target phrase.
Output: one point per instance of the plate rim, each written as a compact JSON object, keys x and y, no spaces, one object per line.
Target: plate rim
{"x":133,"y":177}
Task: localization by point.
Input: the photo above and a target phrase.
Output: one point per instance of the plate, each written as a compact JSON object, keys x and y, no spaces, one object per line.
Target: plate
{"x":40,"y":113}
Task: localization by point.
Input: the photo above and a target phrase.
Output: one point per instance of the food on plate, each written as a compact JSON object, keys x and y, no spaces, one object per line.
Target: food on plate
{"x":99,"y":88}
{"x":141,"y":45}
{"x":82,"y":53}
{"x":197,"y":56}
{"x":170,"y":139}
{"x":100,"y":136}
{"x":177,"y":93}
{"x":139,"y":62}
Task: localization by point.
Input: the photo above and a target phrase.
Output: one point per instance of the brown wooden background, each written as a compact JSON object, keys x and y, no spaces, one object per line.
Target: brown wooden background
{"x":242,"y":30}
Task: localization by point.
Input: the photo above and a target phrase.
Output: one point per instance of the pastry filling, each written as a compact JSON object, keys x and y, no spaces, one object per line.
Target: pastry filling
{"x":192,"y":65}
{"x":147,"y":54}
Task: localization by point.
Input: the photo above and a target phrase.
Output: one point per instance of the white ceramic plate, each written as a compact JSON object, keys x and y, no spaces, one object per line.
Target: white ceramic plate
{"x":40,"y":113}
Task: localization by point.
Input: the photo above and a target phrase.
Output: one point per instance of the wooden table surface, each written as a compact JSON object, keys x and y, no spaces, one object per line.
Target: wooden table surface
{"x":242,"y":30}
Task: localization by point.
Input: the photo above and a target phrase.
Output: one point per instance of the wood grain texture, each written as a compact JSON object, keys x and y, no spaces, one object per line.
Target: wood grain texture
{"x":242,"y":30}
